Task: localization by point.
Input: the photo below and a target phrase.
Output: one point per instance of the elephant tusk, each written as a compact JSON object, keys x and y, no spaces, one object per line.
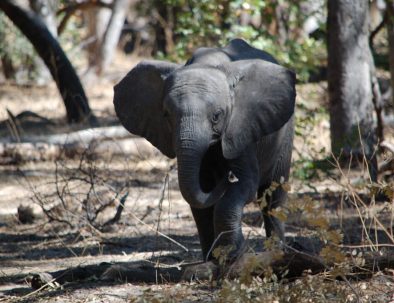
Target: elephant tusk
{"x":232,"y":178}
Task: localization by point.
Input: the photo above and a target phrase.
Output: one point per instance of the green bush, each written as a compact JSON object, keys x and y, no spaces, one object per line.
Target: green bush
{"x":16,"y":49}
{"x":211,"y":23}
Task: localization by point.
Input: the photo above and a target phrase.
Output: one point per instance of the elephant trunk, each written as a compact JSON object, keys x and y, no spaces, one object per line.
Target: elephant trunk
{"x":190,"y":152}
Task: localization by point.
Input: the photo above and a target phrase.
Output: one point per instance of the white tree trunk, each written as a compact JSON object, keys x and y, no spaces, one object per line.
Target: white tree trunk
{"x":97,"y":19}
{"x":112,"y":34}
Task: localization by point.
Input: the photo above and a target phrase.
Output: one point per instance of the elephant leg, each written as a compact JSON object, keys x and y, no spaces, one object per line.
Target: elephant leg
{"x":273,"y":226}
{"x":227,"y":221}
{"x":205,"y":227}
{"x":228,"y":210}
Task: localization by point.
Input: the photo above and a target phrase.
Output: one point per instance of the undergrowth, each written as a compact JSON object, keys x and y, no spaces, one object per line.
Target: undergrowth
{"x":347,"y":265}
{"x":353,"y":246}
{"x":87,"y":192}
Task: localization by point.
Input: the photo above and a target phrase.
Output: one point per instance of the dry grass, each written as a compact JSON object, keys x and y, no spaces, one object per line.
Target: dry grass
{"x":330,"y":207}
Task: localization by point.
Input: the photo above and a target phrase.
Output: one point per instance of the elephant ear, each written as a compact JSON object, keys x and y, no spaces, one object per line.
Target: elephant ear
{"x":138,"y":100}
{"x":264,"y":99}
{"x":239,"y":49}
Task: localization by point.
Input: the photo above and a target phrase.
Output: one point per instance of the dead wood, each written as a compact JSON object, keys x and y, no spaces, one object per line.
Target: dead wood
{"x":294,"y":264}
{"x":130,"y":272}
{"x":101,"y":141}
{"x":85,"y":136}
{"x":119,"y":211}
{"x":387,"y":165}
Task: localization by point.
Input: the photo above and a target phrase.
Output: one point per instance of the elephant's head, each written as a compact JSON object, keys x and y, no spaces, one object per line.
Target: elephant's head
{"x":185,"y":110}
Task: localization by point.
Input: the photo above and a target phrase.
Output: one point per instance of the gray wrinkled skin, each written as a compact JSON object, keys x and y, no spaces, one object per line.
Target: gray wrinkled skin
{"x":227,"y":115}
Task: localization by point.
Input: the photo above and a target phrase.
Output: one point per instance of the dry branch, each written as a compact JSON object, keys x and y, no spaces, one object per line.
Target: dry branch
{"x":294,"y":263}
{"x":119,"y":210}
{"x":82,"y":192}
{"x":70,"y":10}
{"x":387,"y":145}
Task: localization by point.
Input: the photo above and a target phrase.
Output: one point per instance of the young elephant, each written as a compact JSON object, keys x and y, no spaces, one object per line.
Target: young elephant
{"x":227,"y":115}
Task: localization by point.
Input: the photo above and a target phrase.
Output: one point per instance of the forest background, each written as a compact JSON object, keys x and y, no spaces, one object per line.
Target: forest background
{"x":81,"y":194}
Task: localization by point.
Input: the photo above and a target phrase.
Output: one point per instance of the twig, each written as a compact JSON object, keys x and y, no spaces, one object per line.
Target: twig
{"x":365,"y":245}
{"x":356,"y":198}
{"x":325,"y":266}
{"x":162,"y":195}
{"x":162,"y":265}
{"x":217,"y":239}
{"x":37,"y":290}
{"x":119,"y":210}
{"x":160,"y":233}
{"x":12,"y":124}
{"x":38,"y":199}
{"x":378,"y":28}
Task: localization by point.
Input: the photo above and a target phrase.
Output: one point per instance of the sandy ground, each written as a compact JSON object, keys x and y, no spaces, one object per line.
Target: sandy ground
{"x":156,"y":224}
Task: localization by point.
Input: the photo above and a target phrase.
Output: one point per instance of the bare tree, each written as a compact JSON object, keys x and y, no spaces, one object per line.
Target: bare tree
{"x":350,"y":77}
{"x":50,"y":51}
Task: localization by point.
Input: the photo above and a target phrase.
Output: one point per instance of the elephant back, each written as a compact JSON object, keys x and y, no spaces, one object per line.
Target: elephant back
{"x":236,"y":50}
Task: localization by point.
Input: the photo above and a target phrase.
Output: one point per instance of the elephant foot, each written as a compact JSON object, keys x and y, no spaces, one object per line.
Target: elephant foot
{"x":213,"y":269}
{"x":202,"y":271}
{"x":254,"y":263}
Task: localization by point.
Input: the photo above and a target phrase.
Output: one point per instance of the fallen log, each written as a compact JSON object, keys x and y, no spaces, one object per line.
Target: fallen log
{"x":80,"y":136}
{"x":294,"y":264}
{"x":110,"y":141}
{"x":141,"y":271}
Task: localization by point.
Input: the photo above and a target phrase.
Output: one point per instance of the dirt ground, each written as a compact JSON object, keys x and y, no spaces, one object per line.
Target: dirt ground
{"x":156,"y":227}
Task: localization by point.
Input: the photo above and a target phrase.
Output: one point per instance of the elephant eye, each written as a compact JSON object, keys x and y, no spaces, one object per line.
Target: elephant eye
{"x":216,"y":116}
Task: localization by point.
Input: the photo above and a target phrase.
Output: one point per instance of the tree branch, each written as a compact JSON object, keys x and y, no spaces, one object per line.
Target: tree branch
{"x":70,"y":10}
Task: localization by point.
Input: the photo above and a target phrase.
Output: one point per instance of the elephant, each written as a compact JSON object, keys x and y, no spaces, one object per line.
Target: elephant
{"x":227,"y":115}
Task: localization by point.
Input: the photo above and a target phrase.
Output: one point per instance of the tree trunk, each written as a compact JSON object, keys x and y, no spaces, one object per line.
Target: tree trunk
{"x":46,"y":9}
{"x":163,"y":27}
{"x":105,"y":29}
{"x":353,"y":131}
{"x":112,"y":34}
{"x":98,"y":19}
{"x":48,"y":48}
{"x":390,"y":32}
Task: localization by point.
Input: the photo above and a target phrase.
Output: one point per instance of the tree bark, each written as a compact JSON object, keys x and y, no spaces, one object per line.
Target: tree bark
{"x":112,"y":34}
{"x":98,"y":19}
{"x":50,"y":51}
{"x":105,"y":28}
{"x":390,"y":32}
{"x":353,"y":130}
{"x":163,"y":26}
